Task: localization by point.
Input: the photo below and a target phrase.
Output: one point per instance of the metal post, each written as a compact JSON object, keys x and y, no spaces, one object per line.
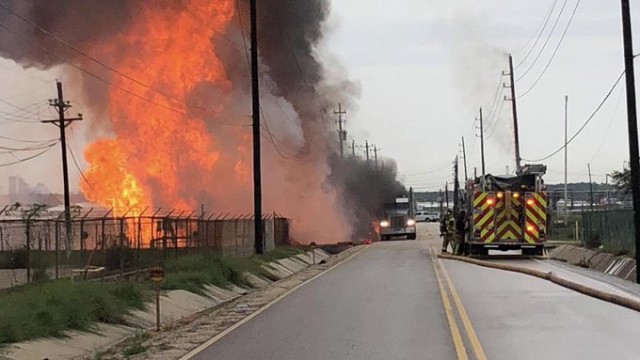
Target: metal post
{"x":632,"y":120}
{"x":566,"y":187}
{"x":158,"y":324}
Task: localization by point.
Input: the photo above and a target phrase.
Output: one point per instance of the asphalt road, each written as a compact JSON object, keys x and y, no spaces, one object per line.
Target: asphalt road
{"x":395,"y":300}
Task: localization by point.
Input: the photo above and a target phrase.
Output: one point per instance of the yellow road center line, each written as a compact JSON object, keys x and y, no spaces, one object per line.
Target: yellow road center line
{"x":461,"y":352}
{"x":466,"y":322}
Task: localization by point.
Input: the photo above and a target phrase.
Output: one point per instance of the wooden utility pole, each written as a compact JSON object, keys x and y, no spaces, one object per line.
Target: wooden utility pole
{"x":456,"y":188}
{"x":590,"y":188}
{"x":632,"y":123}
{"x":62,"y":122}
{"x":353,"y":148}
{"x":255,"y":96}
{"x":366,"y":147}
{"x":464,"y":156}
{"x":341,"y":133}
{"x":446,"y":193}
{"x":482,"y":141}
{"x":375,"y":155}
{"x":514,"y":110}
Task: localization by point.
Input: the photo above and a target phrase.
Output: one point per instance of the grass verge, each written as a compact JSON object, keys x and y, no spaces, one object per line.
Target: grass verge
{"x":193,"y":271}
{"x":48,"y":309}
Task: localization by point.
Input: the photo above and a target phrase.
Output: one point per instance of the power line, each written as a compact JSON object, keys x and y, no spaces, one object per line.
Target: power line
{"x":108,"y":83}
{"x":554,"y":51}
{"x":270,"y":137}
{"x":295,"y":58}
{"x":541,"y":27}
{"x":22,"y":115}
{"x":499,"y":91}
{"x":20,"y":109}
{"x":205,"y":23}
{"x":495,"y":122}
{"x":585,"y":123}
{"x":30,"y":148}
{"x":72,"y":47}
{"x":244,"y":41}
{"x":6,"y":68}
{"x":544,"y":45}
{"x":495,"y":107}
{"x":78,"y":166}
{"x":27,"y":141}
{"x":28,"y":158}
{"x":448,"y":165}
{"x":606,"y":134}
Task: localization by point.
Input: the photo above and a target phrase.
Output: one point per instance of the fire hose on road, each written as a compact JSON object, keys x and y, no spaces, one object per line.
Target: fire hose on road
{"x":550,"y":276}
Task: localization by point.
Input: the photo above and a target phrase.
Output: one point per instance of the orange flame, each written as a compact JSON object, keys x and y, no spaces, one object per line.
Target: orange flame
{"x":170,"y":52}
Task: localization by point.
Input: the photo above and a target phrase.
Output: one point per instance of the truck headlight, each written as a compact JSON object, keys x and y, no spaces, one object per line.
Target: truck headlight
{"x":411,"y":222}
{"x":384,"y":223}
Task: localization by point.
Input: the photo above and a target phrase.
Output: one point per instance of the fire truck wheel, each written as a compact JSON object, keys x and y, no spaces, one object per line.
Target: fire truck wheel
{"x":538,"y":251}
{"x":478,"y":250}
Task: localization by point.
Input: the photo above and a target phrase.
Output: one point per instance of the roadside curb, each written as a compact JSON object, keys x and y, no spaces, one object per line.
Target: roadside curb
{"x":550,"y":276}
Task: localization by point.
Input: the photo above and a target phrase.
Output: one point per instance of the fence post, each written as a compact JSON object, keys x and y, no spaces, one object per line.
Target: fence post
{"x":57,"y":249}
{"x":121,"y":241}
{"x":139,"y":237}
{"x":28,"y":234}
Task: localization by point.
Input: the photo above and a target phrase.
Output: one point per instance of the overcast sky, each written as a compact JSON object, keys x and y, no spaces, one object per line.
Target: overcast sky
{"x":425,"y":67}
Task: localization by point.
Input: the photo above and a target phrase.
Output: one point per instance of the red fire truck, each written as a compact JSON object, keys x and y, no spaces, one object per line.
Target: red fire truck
{"x":508,"y":212}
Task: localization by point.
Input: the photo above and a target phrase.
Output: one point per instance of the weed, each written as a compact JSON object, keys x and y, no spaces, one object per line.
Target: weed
{"x":136,"y":345}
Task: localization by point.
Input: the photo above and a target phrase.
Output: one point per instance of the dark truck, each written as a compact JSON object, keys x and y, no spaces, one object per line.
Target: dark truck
{"x":398,"y":220}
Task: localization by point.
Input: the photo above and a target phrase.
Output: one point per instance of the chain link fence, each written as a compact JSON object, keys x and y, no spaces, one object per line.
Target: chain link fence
{"x":38,"y":247}
{"x":611,"y":229}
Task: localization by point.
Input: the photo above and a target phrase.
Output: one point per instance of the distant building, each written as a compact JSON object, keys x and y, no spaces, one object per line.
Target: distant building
{"x":22,"y":192}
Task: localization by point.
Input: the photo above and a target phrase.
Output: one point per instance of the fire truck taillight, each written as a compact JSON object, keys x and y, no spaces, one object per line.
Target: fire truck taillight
{"x":529,"y":228}
{"x":516,"y":195}
{"x":500,"y":195}
{"x":530,"y":202}
{"x":490,"y":201}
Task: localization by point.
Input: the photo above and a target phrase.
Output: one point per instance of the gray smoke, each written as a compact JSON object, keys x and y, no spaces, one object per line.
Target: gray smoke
{"x":366,"y":187}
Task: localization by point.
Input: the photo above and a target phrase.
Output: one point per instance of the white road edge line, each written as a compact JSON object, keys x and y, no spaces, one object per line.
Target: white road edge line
{"x":228,"y":330}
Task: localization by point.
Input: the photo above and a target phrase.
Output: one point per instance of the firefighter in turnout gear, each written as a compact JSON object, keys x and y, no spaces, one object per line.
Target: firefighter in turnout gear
{"x":445,"y":230}
{"x":461,"y":229}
